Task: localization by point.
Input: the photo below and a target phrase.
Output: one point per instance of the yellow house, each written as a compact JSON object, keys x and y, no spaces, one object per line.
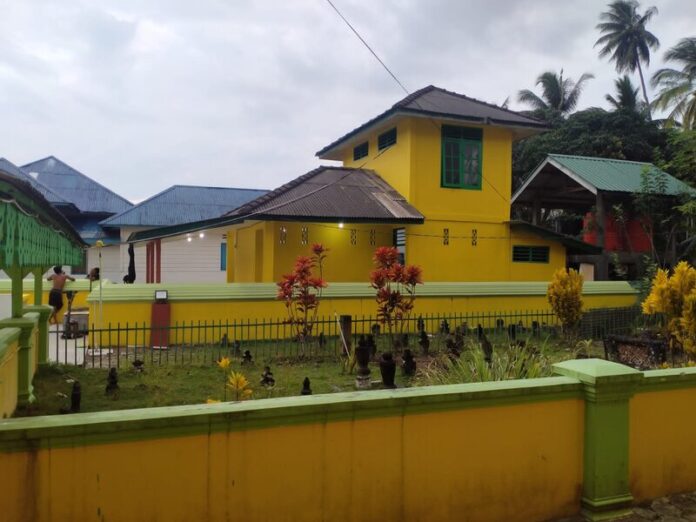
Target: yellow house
{"x":432,"y":176}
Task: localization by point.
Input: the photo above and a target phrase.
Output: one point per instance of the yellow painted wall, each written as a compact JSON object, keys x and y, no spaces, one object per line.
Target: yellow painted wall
{"x":452,"y":465}
{"x":490,"y":204}
{"x":392,"y":164}
{"x":271,"y":310}
{"x":244,"y":244}
{"x":662,"y":443}
{"x":490,"y":259}
{"x":8,"y":380}
{"x":345,"y":262}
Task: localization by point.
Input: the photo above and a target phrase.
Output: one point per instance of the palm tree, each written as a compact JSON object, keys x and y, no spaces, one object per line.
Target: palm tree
{"x":626,"y":95}
{"x":678,"y":87}
{"x":626,"y":39}
{"x":558,"y":94}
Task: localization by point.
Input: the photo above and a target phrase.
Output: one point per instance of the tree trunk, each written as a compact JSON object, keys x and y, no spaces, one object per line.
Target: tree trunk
{"x":645,"y":93}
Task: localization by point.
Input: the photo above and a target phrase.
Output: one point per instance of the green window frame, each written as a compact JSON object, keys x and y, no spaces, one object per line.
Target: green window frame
{"x":360,"y":151}
{"x":530,"y":254}
{"x":461,"y":157}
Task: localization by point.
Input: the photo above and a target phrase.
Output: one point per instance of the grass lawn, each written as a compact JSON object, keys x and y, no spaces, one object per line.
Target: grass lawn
{"x":177,"y":384}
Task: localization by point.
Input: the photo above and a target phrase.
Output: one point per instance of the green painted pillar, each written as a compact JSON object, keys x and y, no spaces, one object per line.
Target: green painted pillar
{"x":17,"y":278}
{"x":608,"y":386}
{"x":38,"y":284}
{"x":25,"y":370}
{"x":44,"y":312}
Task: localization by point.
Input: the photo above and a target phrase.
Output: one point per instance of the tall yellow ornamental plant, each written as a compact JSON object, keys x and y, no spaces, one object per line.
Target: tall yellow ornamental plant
{"x":675,"y":298}
{"x":565,"y":297}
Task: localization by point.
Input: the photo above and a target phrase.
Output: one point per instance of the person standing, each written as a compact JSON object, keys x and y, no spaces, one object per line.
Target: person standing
{"x":55,"y":296}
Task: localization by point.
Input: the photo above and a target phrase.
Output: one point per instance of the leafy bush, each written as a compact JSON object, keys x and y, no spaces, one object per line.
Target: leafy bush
{"x":565,"y":297}
{"x":506,"y":363}
{"x":674,"y":298}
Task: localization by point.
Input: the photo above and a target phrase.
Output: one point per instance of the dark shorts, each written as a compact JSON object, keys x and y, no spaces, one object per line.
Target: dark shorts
{"x":55,"y":299}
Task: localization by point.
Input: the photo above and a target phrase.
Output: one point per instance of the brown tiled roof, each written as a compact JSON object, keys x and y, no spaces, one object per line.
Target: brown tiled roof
{"x":439,"y":103}
{"x":333,"y":194}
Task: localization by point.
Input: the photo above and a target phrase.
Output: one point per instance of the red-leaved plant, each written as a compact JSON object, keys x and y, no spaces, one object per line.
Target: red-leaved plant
{"x":301,"y":291}
{"x":396,"y":289}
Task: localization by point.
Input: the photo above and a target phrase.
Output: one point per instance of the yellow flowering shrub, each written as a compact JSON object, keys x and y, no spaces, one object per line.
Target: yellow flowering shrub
{"x":674,"y":297}
{"x":565,"y":297}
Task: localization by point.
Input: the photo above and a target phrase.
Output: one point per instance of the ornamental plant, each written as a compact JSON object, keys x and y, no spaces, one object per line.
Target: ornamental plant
{"x":301,"y":291}
{"x":674,"y":298}
{"x":396,"y":289}
{"x":565,"y":297}
{"x":236,"y":381}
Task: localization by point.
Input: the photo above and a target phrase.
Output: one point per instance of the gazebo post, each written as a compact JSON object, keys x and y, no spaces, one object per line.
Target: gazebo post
{"x":602,"y":268}
{"x":536,"y":211}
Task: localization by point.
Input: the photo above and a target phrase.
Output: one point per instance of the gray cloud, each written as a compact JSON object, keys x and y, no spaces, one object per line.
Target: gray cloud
{"x":144,"y":94}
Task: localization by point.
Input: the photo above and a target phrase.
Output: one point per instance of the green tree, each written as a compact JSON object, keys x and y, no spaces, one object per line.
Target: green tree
{"x":592,"y":132}
{"x":678,"y":157}
{"x":558,"y":95}
{"x":625,"y":38}
{"x":626,"y":95}
{"x":678,"y":86}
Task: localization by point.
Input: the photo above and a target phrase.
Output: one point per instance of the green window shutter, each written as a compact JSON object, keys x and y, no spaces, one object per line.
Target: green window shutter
{"x":530,"y":254}
{"x":360,"y":151}
{"x":461,"y":157}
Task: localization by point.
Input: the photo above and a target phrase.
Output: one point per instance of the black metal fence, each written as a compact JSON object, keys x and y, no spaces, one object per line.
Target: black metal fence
{"x":203,"y":342}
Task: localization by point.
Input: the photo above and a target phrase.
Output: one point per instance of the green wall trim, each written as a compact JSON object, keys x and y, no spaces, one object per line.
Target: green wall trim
{"x":266,"y":291}
{"x":668,"y":379}
{"x":26,"y":434}
{"x":81,"y":285}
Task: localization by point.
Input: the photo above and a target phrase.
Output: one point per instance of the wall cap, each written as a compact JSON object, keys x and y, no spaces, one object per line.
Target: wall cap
{"x":23,"y":434}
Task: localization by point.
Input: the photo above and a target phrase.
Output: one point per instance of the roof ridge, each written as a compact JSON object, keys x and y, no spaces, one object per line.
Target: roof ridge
{"x":85,"y":176}
{"x":488,"y":104}
{"x":599,"y":158}
{"x":411,"y":97}
{"x":217,"y":187}
{"x":256,"y":203}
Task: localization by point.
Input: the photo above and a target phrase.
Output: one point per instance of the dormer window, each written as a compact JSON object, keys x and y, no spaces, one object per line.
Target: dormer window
{"x":461,"y":157}
{"x":360,"y":151}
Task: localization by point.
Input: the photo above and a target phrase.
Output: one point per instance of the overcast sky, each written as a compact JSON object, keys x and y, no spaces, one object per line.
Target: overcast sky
{"x":143,"y":94}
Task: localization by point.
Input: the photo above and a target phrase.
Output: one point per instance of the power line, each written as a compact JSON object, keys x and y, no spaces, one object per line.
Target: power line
{"x":368,"y":47}
{"x":437,"y":125}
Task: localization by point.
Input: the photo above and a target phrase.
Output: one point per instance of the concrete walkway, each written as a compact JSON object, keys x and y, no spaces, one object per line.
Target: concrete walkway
{"x":675,"y":508}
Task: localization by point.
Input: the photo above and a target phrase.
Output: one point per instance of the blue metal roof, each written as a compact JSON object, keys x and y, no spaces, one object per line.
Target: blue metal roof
{"x":85,"y":193}
{"x":181,"y":204}
{"x":90,"y":231}
{"x":50,"y":195}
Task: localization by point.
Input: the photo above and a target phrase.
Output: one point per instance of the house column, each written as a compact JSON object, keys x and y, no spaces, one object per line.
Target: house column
{"x":602,"y":266}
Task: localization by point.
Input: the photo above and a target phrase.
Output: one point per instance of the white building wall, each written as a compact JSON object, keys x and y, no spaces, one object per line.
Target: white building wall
{"x":110,"y":265}
{"x":195,"y":261}
{"x":139,"y":256}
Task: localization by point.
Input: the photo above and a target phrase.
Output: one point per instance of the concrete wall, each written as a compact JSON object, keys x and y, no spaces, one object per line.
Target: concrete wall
{"x":435,"y":454}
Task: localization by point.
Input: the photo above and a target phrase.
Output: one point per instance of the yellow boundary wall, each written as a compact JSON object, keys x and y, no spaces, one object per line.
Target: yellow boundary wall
{"x":602,"y":436}
{"x":436,"y":454}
